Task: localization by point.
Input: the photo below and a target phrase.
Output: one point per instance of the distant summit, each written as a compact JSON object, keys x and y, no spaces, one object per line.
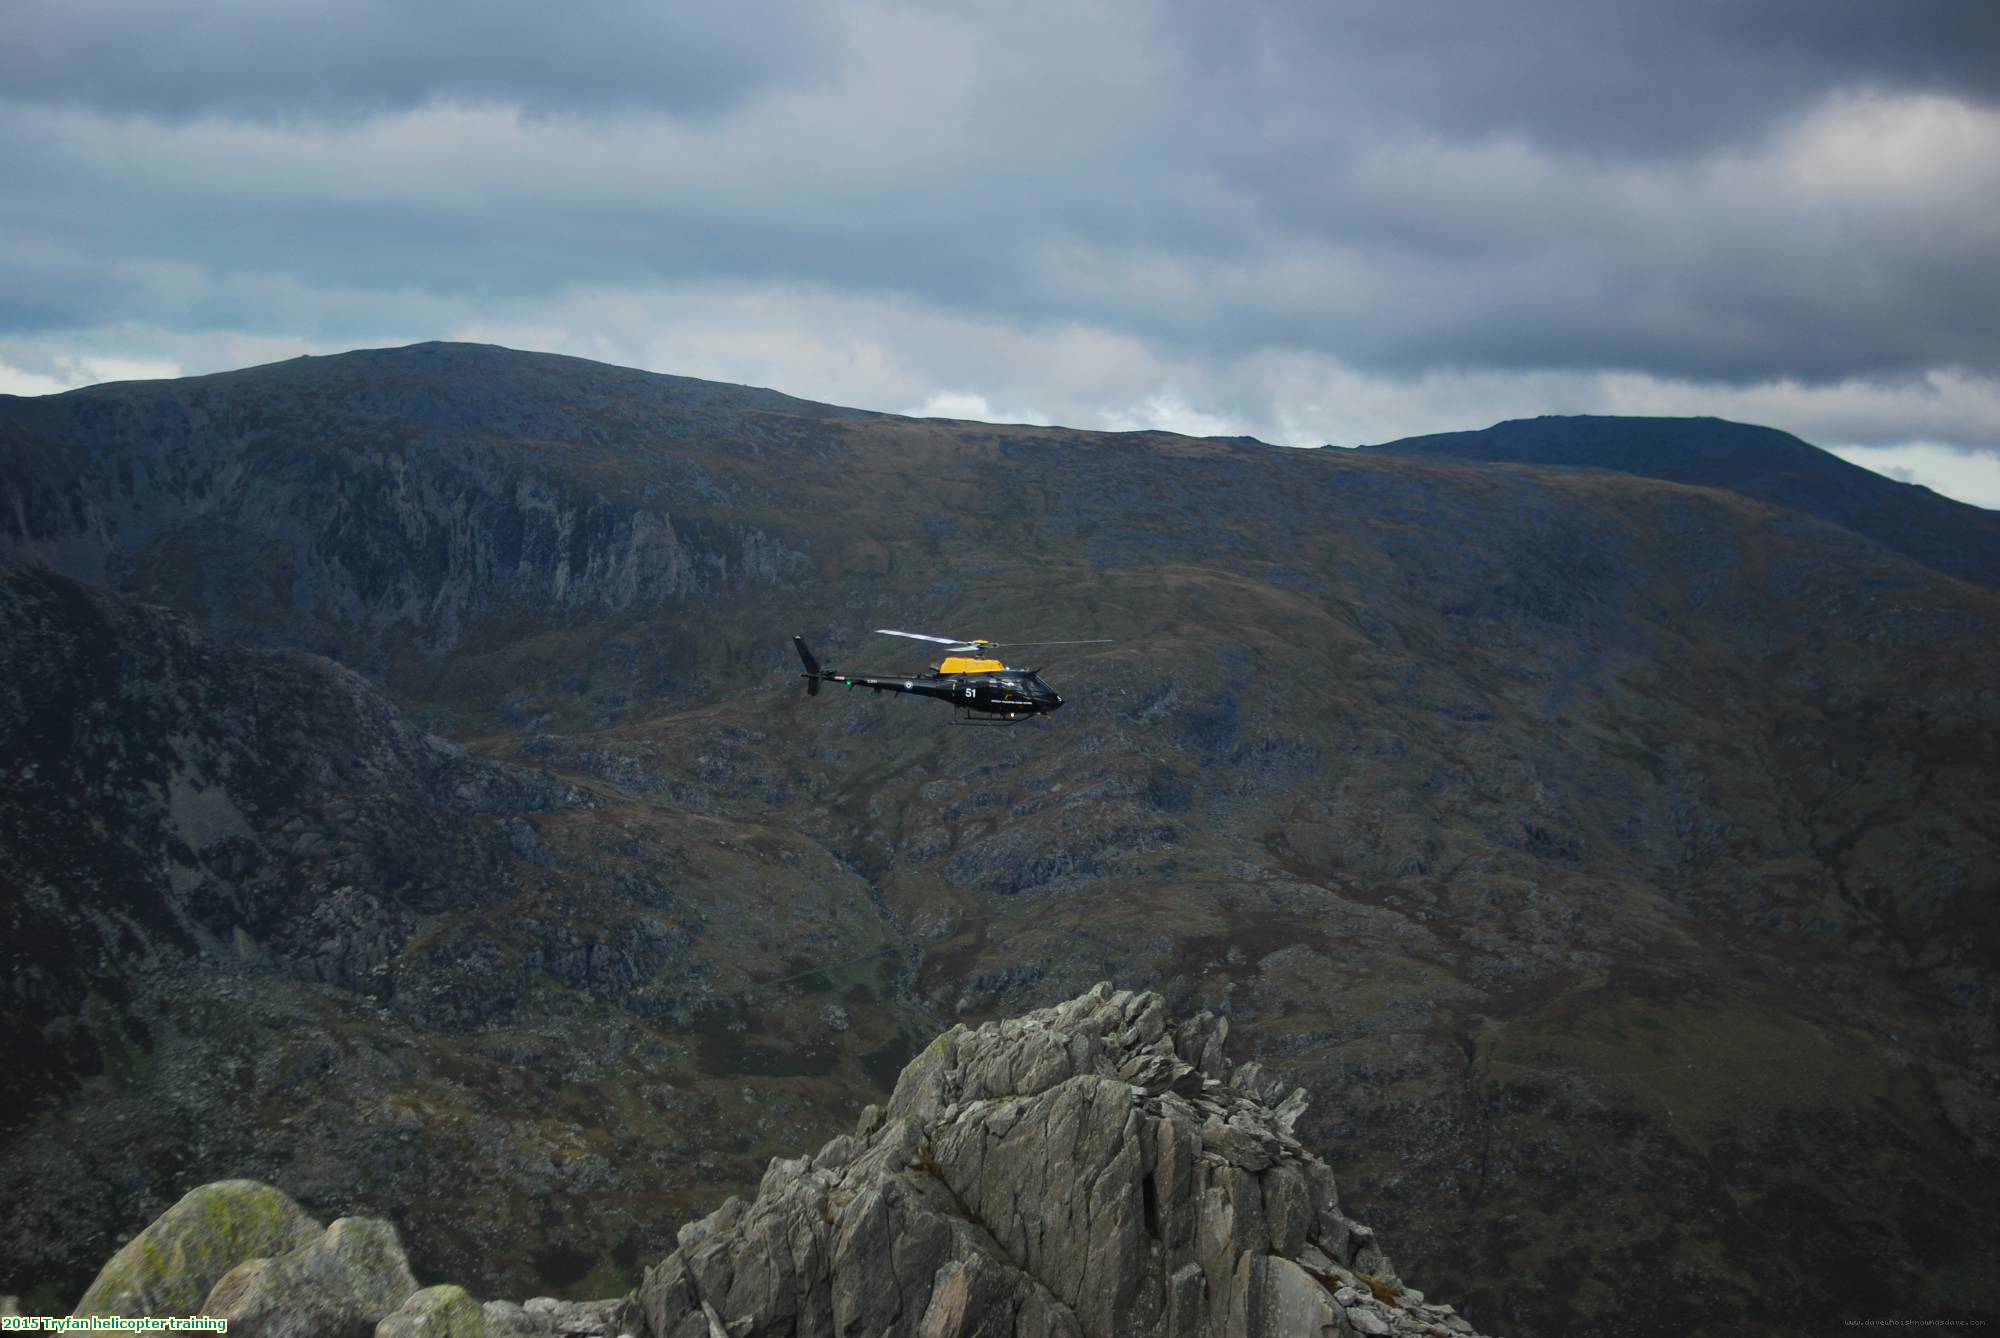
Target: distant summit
{"x":1759,"y":462}
{"x":436,"y":386}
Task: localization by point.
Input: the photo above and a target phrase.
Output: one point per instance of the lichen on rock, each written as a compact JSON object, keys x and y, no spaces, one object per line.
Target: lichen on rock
{"x":434,"y":1312}
{"x":169,"y":1268}
{"x":348,"y":1279}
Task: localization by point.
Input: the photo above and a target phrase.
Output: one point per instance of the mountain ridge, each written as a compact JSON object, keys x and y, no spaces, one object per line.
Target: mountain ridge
{"x":1507,"y":809}
{"x":427,"y":357}
{"x":1765,"y":463}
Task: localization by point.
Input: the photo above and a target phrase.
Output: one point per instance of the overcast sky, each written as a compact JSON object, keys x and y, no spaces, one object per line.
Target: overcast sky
{"x":1311,"y":220}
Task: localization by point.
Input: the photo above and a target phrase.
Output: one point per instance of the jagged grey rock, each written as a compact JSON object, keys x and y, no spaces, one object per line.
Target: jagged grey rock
{"x":1090,"y":1169}
{"x":345,"y":1282}
{"x":170,"y":1266}
{"x":546,"y":1317}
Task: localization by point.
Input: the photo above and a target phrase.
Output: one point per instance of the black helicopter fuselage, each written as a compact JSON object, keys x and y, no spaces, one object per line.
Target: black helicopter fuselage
{"x":1013,"y":694}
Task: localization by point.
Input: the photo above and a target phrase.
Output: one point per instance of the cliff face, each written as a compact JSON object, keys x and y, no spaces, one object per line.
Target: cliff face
{"x":173,"y":798}
{"x":351,"y":505}
{"x":1092,"y":1170}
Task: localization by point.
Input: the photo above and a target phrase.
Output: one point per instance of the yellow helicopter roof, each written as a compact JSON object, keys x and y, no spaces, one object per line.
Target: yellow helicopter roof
{"x":959,"y":664}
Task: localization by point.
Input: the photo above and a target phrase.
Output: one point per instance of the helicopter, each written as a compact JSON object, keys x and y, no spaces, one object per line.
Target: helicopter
{"x":967,"y":677}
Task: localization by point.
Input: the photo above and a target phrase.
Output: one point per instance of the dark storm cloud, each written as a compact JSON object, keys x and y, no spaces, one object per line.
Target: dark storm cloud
{"x":1614,"y":79}
{"x":280,"y":59}
{"x":1572,"y":74}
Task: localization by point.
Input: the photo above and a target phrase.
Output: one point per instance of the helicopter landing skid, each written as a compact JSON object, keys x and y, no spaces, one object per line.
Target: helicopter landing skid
{"x":966,"y":718}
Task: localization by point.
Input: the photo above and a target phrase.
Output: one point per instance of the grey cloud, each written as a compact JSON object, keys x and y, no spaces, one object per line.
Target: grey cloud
{"x":1602,"y":79}
{"x":1578,"y":75}
{"x":284,"y":60}
{"x":1398,"y":188}
{"x":1516,"y":266}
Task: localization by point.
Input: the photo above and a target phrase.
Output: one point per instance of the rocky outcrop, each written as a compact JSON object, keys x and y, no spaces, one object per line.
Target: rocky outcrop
{"x":1090,"y":1169}
{"x":246,"y":1253}
{"x":168,"y":1268}
{"x":346,"y":1281}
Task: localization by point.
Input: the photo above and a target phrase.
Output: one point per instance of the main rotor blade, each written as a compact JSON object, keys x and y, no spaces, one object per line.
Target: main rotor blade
{"x":921,"y":636}
{"x":962,"y":645}
{"x":1088,"y":641}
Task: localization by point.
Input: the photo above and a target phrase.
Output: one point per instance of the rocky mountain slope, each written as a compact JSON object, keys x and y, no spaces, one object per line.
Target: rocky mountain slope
{"x":174,"y":798}
{"x":1610,"y":855}
{"x":1094,"y":1169}
{"x":1759,"y":462}
{"x":255,"y":924}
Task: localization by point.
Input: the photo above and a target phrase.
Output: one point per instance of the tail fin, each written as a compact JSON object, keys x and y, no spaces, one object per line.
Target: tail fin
{"x":812,"y":674}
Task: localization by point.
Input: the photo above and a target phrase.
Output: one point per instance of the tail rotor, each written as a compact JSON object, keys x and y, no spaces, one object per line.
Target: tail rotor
{"x":812,"y":675}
